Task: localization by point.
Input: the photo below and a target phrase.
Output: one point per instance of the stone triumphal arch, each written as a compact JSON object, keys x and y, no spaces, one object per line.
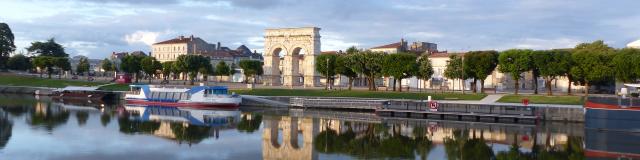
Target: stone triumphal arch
{"x":296,"y":45}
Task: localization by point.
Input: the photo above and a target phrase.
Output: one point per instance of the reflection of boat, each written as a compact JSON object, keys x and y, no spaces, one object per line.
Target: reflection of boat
{"x":612,"y":114}
{"x":197,"y":96}
{"x":200,"y":117}
{"x":74,"y":107}
{"x":614,"y":145}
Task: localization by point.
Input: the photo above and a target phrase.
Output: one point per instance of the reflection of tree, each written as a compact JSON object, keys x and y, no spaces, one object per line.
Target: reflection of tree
{"x":133,"y":127}
{"x":82,"y":117}
{"x":190,"y":134}
{"x":250,"y":126}
{"x":374,"y":142}
{"x":6,"y":127}
{"x":572,"y":150}
{"x":105,"y":118}
{"x":49,"y":118}
{"x":17,"y":110}
{"x":423,"y":144}
{"x":460,"y":147}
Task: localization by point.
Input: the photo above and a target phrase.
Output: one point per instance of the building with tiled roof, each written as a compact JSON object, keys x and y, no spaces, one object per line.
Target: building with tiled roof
{"x":403,"y":46}
{"x":169,"y":50}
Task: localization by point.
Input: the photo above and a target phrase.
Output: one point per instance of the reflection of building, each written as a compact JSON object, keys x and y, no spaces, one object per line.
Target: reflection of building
{"x":281,"y":138}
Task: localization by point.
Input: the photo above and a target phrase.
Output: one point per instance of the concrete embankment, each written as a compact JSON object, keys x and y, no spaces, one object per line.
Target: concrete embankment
{"x":421,"y":109}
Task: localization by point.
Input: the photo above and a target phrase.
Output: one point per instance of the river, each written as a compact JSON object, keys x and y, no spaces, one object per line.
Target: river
{"x":41,"y":128}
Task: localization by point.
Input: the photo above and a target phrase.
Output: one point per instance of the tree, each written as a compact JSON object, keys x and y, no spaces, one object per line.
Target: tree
{"x":83,"y":65}
{"x":425,"y":69}
{"x":106,"y":65}
{"x":367,"y":63}
{"x":343,"y":68}
{"x":326,"y":66}
{"x":48,"y":48}
{"x":131,"y":64}
{"x":515,"y":62}
{"x":551,"y":64}
{"x":626,"y":65}
{"x":150,"y":66}
{"x":44,"y":63}
{"x":454,"y":68}
{"x":222,"y":69}
{"x":19,"y":62}
{"x":7,"y":45}
{"x":206,"y":69}
{"x":479,"y":65}
{"x":167,"y":69}
{"x":63,"y":64}
{"x":400,"y":66}
{"x":592,"y":63}
{"x":191,"y":64}
{"x":251,"y":68}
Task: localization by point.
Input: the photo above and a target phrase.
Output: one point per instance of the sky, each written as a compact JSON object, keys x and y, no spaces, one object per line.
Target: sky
{"x":96,"y":28}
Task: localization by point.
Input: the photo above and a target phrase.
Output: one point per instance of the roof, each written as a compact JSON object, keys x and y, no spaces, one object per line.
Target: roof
{"x":178,"y":40}
{"x":78,"y":88}
{"x":218,"y":53}
{"x":392,"y":45}
{"x":439,"y":54}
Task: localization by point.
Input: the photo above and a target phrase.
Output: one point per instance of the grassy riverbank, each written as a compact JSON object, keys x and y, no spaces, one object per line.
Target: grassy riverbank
{"x":543,"y":99}
{"x":359,"y":94}
{"x":13,"y":80}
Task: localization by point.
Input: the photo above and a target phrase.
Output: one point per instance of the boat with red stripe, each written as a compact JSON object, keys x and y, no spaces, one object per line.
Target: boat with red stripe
{"x":194,"y":97}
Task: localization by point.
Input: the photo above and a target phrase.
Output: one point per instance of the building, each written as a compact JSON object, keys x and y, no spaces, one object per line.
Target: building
{"x":634,"y":44}
{"x":94,"y":64}
{"x":169,"y":50}
{"x":403,"y":46}
{"x":116,"y":57}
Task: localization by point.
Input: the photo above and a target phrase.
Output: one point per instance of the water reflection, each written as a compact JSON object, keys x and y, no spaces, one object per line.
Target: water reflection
{"x":47,"y":116}
{"x":6,"y":127}
{"x":282,"y":134}
{"x":416,"y":139}
{"x":184,"y":125}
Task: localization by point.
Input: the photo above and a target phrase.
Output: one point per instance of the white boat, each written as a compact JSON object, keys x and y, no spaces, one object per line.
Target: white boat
{"x":195,"y":97}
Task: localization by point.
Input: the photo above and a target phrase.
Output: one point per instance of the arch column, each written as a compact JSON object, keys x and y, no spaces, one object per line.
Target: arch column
{"x":307,"y":38}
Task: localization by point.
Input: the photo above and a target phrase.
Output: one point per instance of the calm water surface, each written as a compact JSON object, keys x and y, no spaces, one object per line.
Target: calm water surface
{"x":42,"y":128}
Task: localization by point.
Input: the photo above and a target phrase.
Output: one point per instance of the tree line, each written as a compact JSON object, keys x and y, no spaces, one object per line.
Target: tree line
{"x":373,"y":65}
{"x":586,"y":64}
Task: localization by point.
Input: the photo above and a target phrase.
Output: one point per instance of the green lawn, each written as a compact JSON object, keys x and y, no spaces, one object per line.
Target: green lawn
{"x":360,"y":94}
{"x":12,"y":80}
{"x":542,"y":99}
{"x":115,"y":87}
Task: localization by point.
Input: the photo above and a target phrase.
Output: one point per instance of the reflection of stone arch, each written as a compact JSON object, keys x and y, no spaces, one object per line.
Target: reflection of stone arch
{"x":289,"y":148}
{"x":291,"y":40}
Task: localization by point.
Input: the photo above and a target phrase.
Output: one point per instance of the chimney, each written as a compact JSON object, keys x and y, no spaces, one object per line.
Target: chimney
{"x":218,"y":46}
{"x":181,"y":37}
{"x":191,"y":37}
{"x":255,"y":52}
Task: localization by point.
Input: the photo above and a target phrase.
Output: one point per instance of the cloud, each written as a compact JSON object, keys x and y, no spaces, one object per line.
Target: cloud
{"x":145,"y":37}
{"x":333,"y":42}
{"x":634,"y":44}
{"x":425,"y":35}
{"x":81,"y":47}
